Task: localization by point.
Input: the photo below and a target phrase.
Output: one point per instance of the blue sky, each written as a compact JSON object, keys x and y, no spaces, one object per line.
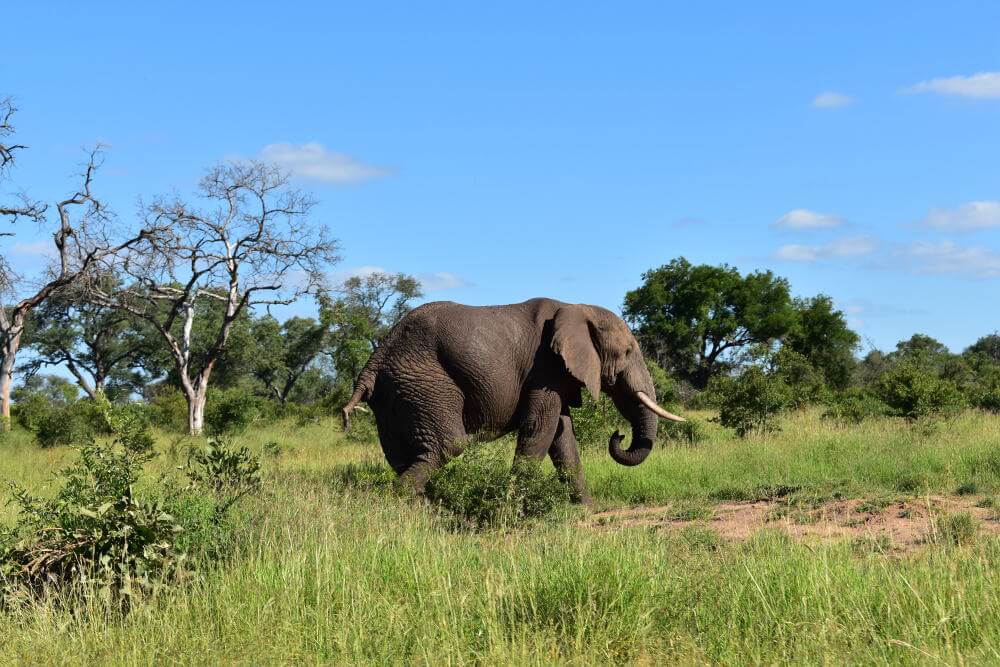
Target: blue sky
{"x":508,"y":150}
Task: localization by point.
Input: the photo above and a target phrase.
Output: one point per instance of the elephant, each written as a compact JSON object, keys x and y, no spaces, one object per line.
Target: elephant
{"x":448,"y":374}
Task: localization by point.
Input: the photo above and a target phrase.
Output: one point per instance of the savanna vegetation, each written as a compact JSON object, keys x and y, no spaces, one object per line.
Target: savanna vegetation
{"x":180,"y":490}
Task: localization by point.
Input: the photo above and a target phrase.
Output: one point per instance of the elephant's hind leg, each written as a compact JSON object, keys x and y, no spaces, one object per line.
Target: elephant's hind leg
{"x":429,"y":437}
{"x":565,"y":455}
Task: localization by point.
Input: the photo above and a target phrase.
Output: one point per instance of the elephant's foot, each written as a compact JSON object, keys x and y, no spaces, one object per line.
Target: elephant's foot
{"x":413,"y":480}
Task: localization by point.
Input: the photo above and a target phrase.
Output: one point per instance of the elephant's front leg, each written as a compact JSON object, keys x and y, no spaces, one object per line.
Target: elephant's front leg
{"x":565,"y":455}
{"x":539,"y":424}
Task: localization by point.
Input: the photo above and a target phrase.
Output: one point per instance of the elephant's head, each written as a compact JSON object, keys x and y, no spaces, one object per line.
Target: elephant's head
{"x":600,"y":352}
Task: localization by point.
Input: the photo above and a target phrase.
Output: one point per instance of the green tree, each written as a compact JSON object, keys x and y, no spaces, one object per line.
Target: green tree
{"x":920,"y":349}
{"x":368,"y":307}
{"x":986,"y":348}
{"x":287,"y":352}
{"x":821,"y":335}
{"x":752,"y":401}
{"x":869,"y":369}
{"x":695,"y":319}
{"x":103,"y":349}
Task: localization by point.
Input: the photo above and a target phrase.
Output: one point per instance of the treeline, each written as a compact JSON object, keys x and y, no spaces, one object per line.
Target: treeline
{"x":743,"y":345}
{"x":303,"y":367}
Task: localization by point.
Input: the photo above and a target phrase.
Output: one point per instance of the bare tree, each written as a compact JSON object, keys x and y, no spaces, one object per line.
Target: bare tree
{"x":253,"y":244}
{"x":80,"y":243}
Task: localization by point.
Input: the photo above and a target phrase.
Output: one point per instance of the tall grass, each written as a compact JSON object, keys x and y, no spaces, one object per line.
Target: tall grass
{"x":329,"y":574}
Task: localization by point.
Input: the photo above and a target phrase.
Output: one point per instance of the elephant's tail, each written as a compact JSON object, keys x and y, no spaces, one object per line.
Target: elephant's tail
{"x":363,"y":386}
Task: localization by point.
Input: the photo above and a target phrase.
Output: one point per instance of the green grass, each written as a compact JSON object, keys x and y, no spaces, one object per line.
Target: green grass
{"x":333,"y":573}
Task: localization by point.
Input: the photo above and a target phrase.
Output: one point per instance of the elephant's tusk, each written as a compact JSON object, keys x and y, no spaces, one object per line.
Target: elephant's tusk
{"x":651,"y":404}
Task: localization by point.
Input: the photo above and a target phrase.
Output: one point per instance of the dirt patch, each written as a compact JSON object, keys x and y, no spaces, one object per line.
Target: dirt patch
{"x":903,"y":524}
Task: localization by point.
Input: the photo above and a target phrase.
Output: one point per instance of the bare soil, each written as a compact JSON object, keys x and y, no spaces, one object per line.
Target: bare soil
{"x":902,"y":523}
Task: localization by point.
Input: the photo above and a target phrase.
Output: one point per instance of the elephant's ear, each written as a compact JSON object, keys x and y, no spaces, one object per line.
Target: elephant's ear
{"x":571,"y":340}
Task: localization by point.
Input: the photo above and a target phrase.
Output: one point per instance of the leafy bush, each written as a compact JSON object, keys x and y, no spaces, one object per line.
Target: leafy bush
{"x":956,"y":529}
{"x":168,"y":409}
{"x":712,"y":396}
{"x":55,"y":423}
{"x":752,"y":402}
{"x":855,"y":405}
{"x":227,"y":474}
{"x":913,"y":392}
{"x":95,"y":531}
{"x":481,"y":488}
{"x":96,"y":536}
{"x":984,"y":393}
{"x":31,"y":411}
{"x":232,"y":411}
{"x":665,"y":386}
{"x":691,"y":432}
{"x":595,"y":421}
{"x":363,"y":428}
{"x":806,"y":383}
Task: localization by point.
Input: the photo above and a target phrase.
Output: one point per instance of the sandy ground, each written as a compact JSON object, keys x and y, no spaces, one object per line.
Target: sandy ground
{"x":901,"y":524}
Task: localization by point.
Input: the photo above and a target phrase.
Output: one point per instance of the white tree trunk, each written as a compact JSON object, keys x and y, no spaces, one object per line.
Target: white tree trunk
{"x":9,"y":353}
{"x":6,"y":380}
{"x":196,"y":410}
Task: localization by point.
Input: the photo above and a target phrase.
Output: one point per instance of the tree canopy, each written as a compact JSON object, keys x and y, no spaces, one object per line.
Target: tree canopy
{"x":821,"y":335}
{"x":695,"y":319}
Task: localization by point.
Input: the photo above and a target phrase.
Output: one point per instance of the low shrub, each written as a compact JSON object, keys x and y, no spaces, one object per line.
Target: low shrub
{"x":31,"y":411}
{"x":666,"y":387}
{"x":98,"y":538}
{"x":956,"y":529}
{"x":483,"y":490}
{"x":167,"y":409}
{"x":232,"y":411}
{"x":984,"y":393}
{"x":752,"y":402}
{"x":806,"y":383}
{"x":691,"y":432}
{"x":913,"y":392}
{"x":95,"y":535}
{"x":227,"y":474}
{"x":595,"y":420}
{"x":855,"y":405}
{"x":363,"y":428}
{"x":57,"y":422}
{"x":73,"y":423}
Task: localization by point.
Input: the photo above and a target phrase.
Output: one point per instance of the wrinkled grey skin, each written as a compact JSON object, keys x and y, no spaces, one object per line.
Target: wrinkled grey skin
{"x":447,"y":374}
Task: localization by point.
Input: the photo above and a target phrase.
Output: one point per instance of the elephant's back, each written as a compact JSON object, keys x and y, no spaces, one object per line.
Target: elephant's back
{"x":480,"y":354}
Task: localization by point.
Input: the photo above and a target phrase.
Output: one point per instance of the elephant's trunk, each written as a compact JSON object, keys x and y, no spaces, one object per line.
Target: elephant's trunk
{"x":643,"y":434}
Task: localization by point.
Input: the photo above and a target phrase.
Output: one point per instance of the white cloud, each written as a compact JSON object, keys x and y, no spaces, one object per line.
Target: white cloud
{"x":967,"y":217}
{"x":984,"y":85}
{"x":441,"y":280}
{"x":842,"y":248}
{"x":314,"y":162}
{"x":802,"y":218}
{"x":832,"y":100}
{"x":947,"y":257}
{"x":794,"y":252}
